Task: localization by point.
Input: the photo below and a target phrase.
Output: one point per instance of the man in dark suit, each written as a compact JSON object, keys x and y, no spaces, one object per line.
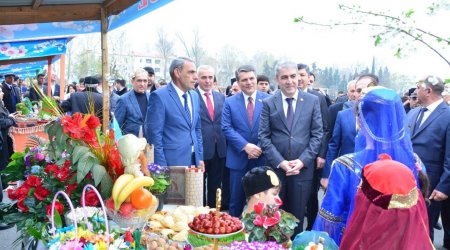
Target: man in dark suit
{"x":54,"y":88}
{"x":240,"y":123}
{"x":214,"y":144}
{"x":33,"y":95}
{"x":11,"y":93}
{"x":83,"y":102}
{"x":338,"y":106}
{"x":173,"y":123}
{"x":305,"y":85}
{"x":290,"y":135}
{"x":132,"y":107}
{"x":430,"y":136}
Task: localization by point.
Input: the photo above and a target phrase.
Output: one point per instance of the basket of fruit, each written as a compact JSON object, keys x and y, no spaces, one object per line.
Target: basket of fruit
{"x":130,"y":204}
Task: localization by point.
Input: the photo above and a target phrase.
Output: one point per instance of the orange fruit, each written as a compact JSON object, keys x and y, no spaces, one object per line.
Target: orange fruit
{"x":141,"y":198}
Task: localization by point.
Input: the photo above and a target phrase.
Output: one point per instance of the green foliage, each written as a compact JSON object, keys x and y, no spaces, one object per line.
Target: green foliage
{"x":16,"y":168}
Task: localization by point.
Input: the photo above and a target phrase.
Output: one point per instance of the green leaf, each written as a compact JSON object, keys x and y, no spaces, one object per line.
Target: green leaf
{"x":439,"y":39}
{"x":85,"y":165}
{"x":409,"y":13}
{"x":398,"y":54}
{"x":106,"y":186}
{"x":57,"y":219}
{"x":298,"y":19}
{"x":34,"y":233}
{"x":377,"y":40}
{"x":447,"y":81}
{"x":78,"y":152}
{"x":98,"y":172}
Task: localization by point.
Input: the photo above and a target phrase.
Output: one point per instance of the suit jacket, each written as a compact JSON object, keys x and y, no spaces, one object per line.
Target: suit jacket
{"x":81,"y":101}
{"x":168,"y":128}
{"x":7,"y":99}
{"x":432,"y":143}
{"x":302,"y":142}
{"x":212,"y":130}
{"x":325,"y":122}
{"x":238,"y":131}
{"x":343,"y":140}
{"x":128,"y":114}
{"x":55,"y":92}
{"x":33,"y":95}
{"x":333,"y":110}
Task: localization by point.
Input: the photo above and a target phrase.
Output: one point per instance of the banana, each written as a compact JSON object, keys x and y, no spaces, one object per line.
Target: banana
{"x":120,"y":183}
{"x":141,"y":181}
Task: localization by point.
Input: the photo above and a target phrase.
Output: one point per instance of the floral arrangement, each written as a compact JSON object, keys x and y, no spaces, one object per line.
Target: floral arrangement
{"x":242,"y":245}
{"x":269,"y":223}
{"x":161,"y":177}
{"x":76,"y":154}
{"x":95,"y":238}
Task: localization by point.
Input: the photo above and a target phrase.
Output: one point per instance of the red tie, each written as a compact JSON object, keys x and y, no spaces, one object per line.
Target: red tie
{"x":250,"y":110}
{"x":209,"y":106}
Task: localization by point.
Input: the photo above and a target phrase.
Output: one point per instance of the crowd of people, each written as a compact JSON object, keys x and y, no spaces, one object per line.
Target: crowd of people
{"x":382,"y":159}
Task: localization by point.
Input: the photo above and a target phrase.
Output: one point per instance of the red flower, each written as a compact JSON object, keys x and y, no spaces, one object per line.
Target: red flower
{"x":91,"y":199}
{"x":62,"y":174}
{"x":58,"y":206}
{"x":72,"y":125}
{"x":12,"y":195}
{"x":22,"y":206}
{"x":67,"y":163}
{"x":278,"y":201}
{"x":92,"y":121}
{"x":22,"y":191}
{"x":70,"y":188}
{"x":90,"y":137}
{"x":272,"y":221}
{"x":41,"y":193}
{"x":259,"y":207}
{"x":33,"y":181}
{"x":51,"y":168}
{"x":128,"y":237}
{"x":259,"y":220}
{"x":114,"y":161}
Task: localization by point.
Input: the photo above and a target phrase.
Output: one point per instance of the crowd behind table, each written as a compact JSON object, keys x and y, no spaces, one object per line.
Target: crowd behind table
{"x":295,"y":130}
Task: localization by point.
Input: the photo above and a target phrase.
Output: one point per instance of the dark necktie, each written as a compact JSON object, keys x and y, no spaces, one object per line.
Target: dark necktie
{"x":209,"y":106}
{"x":419,"y":120}
{"x":250,"y":109}
{"x":290,"y":113}
{"x":186,"y":108}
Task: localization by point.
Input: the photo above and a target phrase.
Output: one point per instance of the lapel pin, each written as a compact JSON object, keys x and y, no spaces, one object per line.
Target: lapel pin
{"x":301,"y":99}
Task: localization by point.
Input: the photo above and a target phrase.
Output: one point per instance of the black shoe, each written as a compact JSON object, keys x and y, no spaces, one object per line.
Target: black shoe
{"x":438,"y":226}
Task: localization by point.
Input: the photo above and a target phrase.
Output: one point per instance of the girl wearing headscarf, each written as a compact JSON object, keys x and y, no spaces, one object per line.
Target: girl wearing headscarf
{"x":381,"y":118}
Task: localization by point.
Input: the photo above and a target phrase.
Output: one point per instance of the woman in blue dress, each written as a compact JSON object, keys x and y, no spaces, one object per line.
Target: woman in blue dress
{"x":381,"y":118}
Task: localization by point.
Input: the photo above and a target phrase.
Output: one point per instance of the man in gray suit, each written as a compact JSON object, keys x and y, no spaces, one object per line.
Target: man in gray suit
{"x":290,"y":134}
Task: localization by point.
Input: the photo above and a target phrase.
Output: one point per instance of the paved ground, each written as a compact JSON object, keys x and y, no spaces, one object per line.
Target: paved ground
{"x":7,"y":237}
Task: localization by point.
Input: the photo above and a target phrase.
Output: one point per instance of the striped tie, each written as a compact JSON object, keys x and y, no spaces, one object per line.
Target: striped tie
{"x":186,"y":108}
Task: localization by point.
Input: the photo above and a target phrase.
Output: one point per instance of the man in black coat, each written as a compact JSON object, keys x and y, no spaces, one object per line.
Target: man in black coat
{"x":11,"y":93}
{"x":84,"y":101}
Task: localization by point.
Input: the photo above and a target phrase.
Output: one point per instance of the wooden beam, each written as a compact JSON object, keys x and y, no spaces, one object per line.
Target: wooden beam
{"x":35,"y":4}
{"x":24,"y":60}
{"x":105,"y":87}
{"x":118,"y":6}
{"x":47,"y":13}
{"x":107,"y":3}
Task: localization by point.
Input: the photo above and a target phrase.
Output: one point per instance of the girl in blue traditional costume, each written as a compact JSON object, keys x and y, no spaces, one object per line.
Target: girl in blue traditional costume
{"x":381,"y":118}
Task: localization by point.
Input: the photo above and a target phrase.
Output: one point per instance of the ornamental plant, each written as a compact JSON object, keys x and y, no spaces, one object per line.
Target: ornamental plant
{"x":161,"y":177}
{"x":77,"y":153}
{"x":269,"y":223}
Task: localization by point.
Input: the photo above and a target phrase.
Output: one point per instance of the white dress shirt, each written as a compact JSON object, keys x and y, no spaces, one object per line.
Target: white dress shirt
{"x":247,"y":96}
{"x":285,"y":103}
{"x":430,"y":109}
{"x":202,"y":93}
{"x":180,"y":95}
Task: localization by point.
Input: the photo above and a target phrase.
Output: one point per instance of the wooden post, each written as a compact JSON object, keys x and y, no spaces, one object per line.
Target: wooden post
{"x":105,"y":87}
{"x":49,"y":76}
{"x":62,"y":73}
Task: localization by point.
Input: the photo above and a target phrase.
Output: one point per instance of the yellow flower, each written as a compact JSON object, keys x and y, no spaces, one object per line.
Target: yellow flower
{"x":101,"y":245}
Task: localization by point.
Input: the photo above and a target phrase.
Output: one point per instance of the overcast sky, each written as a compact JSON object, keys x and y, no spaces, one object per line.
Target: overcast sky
{"x":255,"y":25}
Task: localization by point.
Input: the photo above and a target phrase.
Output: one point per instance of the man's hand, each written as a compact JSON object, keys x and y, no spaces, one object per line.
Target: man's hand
{"x":285,"y":166}
{"x":324,"y":183}
{"x":296,"y":166}
{"x":320,"y":162}
{"x":438,"y":196}
{"x":201,"y":165}
{"x":252,"y":151}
